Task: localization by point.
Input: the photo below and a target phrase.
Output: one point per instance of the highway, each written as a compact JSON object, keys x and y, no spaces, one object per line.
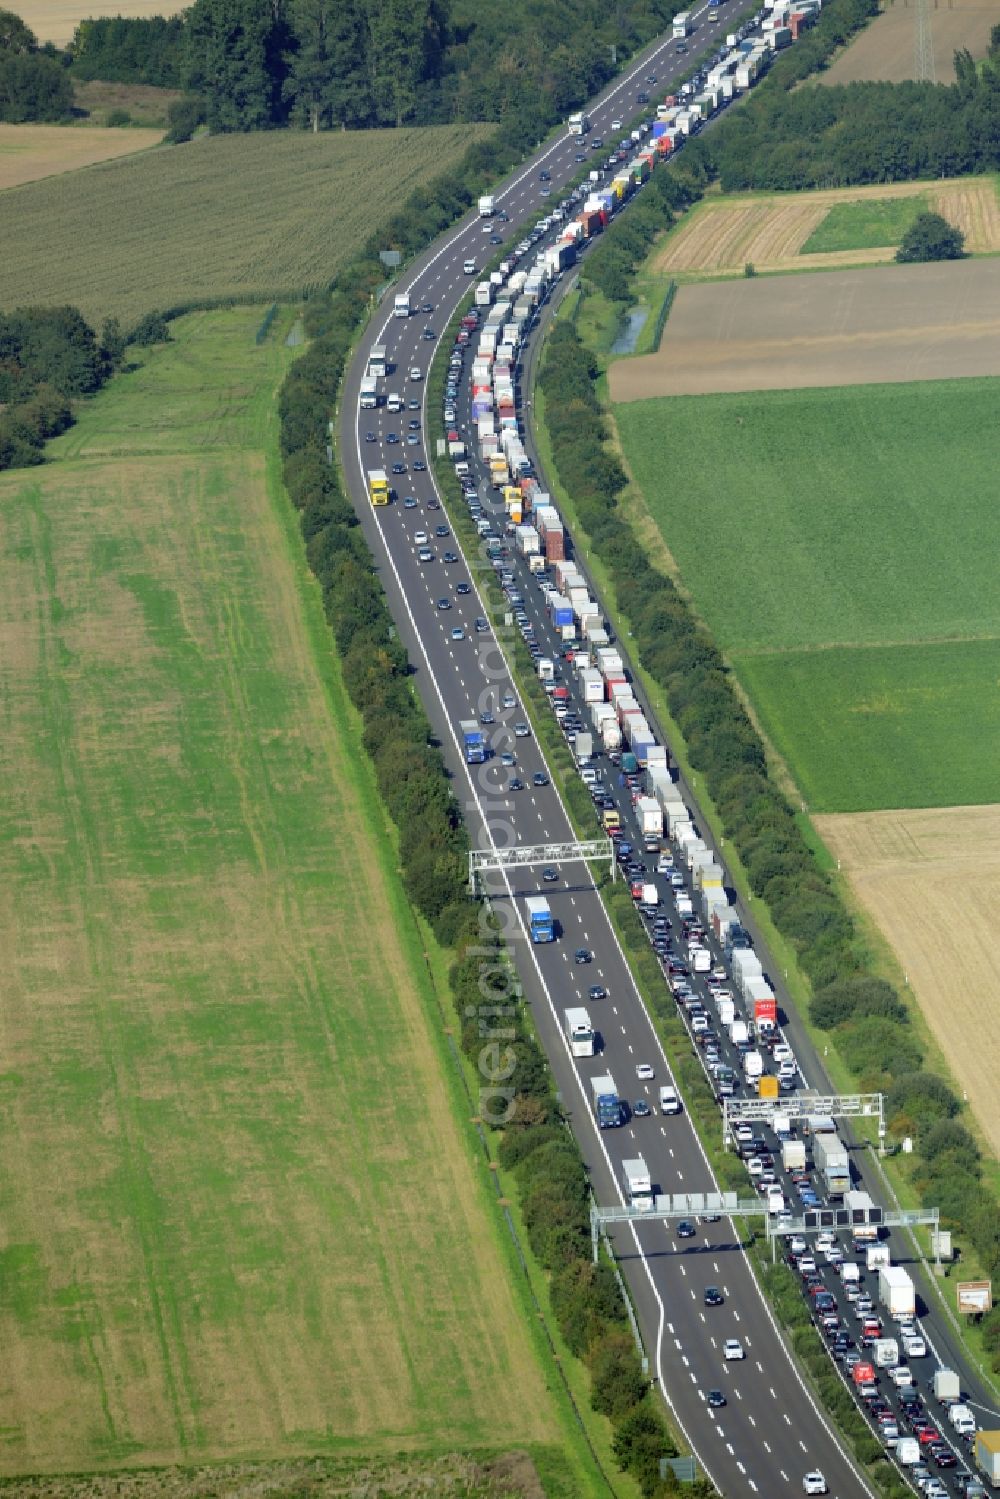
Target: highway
{"x":771,"y":1431}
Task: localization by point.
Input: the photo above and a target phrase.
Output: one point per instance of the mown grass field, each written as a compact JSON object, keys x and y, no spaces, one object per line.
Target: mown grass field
{"x":864,"y":224}
{"x":905,"y":726}
{"x":29,"y":152}
{"x":837,"y":543}
{"x":242,"y":1216}
{"x":251,"y":215}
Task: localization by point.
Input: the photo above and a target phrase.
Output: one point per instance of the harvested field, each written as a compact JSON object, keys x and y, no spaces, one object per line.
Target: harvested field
{"x":56,"y":20}
{"x":886,"y":49}
{"x":242,"y":1215}
{"x":903,"y":865}
{"x":721,"y":235}
{"x":29,"y":152}
{"x":877,"y":326}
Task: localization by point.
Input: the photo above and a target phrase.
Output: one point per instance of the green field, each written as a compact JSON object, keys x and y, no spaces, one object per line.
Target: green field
{"x":908,"y":726}
{"x":864,"y":225}
{"x":242,"y":1216}
{"x":863,"y":517}
{"x":232,"y":215}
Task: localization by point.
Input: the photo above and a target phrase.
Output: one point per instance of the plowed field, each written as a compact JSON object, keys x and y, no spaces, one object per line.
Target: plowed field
{"x":905,"y":866}
{"x":724,"y":234}
{"x":861,"y":327}
{"x":887,"y":49}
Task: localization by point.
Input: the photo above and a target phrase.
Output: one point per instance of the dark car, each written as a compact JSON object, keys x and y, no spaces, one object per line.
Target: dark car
{"x":582,"y":955}
{"x":420,"y":467}
{"x":399,"y":468}
{"x":550,"y":876}
{"x":641,"y":1109}
{"x":597,"y":991}
{"x":713,"y":1296}
{"x":716,"y":1399}
{"x":370,"y":437}
{"x":685,"y":1229}
{"x":516,"y":784}
{"x":463,"y":588}
{"x":540,"y":778}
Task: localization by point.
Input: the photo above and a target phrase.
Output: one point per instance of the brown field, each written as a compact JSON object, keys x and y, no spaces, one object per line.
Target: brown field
{"x":723,"y":234}
{"x":864,"y":327}
{"x":29,"y":152}
{"x":887,"y":49}
{"x":56,"y":20}
{"x":902,"y":865}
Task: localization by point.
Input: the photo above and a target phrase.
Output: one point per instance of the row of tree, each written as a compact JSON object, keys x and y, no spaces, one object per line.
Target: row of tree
{"x":49,"y":357}
{"x":34,"y":84}
{"x":325,"y":64}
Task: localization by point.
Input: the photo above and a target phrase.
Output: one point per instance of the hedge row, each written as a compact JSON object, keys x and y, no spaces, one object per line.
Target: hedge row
{"x":517,"y":1094}
{"x":864,"y":1015}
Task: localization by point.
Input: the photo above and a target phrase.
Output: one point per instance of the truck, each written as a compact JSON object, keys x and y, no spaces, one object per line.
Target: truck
{"x":753,"y":1067}
{"x":793,"y":1155}
{"x":682,"y":25}
{"x":637,"y":1183}
{"x":947,"y":1386}
{"x":584,"y":747}
{"x":487,"y":207}
{"x":378,"y":486}
{"x":401,"y":304}
{"x":988,"y":1456}
{"x":832,"y":1160}
{"x":649,"y":815}
{"x":378,"y":362}
{"x":895,"y":1291}
{"x":739,"y":1035}
{"x":579,"y":1032}
{"x":876,"y":1255}
{"x":369,"y":393}
{"x":472,"y":740}
{"x":862,"y":1230}
{"x":578,"y":123}
{"x":540,"y":919}
{"x":607,"y":1107}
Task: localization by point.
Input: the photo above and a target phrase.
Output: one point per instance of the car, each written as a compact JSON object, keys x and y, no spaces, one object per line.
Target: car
{"x":732,"y":1348}
{"x":641,"y":1109}
{"x":814,"y":1483}
{"x":410,"y":503}
{"x":521,"y":731}
{"x":486,"y":717}
{"x":463,"y":588}
{"x":716,"y":1399}
{"x":450,"y":557}
{"x":399,"y":468}
{"x":392,"y":437}
{"x":544,"y":176}
{"x":429,"y":334}
{"x":686,"y":1230}
{"x":482,"y":625}
{"x":616,"y":124}
{"x":642,"y":97}
{"x":370,"y":437}
{"x":415,"y":373}
{"x":539,"y":778}
{"x":597,"y":991}
{"x":713,"y":1296}
{"x":420,"y":467}
{"x":458,"y":633}
{"x":444,"y":603}
{"x":507,"y":758}
{"x":644,"y":1072}
{"x":424,"y":554}
{"x":582,"y":955}
{"x":412,"y":439}
{"x":550,"y":875}
{"x":426,"y":307}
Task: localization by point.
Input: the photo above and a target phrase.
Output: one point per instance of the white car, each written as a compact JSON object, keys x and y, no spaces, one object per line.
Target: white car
{"x":644,"y":1072}
{"x":415,"y":373}
{"x":914,"y":1346}
{"x":420,"y":539}
{"x":900,"y":1375}
{"x":814,"y":1483}
{"x":733,"y":1348}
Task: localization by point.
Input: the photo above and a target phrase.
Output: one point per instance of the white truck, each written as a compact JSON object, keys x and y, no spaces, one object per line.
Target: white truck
{"x":579,"y":1032}
{"x":637,"y":1183}
{"x":369,"y":393}
{"x":649,"y":815}
{"x":682,"y":25}
{"x":947,"y":1386}
{"x":886,"y":1352}
{"x":876,"y":1255}
{"x":739,"y":1035}
{"x":793,"y":1155}
{"x":860,"y":1203}
{"x":895,"y":1291}
{"x":753,"y":1067}
{"x":401,"y":304}
{"x":963,"y":1421}
{"x":487,"y":207}
{"x":378,"y":362}
{"x":578,"y":123}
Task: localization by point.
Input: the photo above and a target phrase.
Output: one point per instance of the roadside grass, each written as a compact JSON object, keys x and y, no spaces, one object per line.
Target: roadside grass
{"x":897,"y":726}
{"x":864,"y":225}
{"x":243,"y":1217}
{"x":249,"y":217}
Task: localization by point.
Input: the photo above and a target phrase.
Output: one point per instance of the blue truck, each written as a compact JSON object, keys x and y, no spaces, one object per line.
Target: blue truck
{"x":540,"y":917}
{"x":607,"y":1105}
{"x":472,"y":739}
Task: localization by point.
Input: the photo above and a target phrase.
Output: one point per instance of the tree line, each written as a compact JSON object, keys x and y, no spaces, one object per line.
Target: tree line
{"x":332,"y":64}
{"x":867,"y":1020}
{"x":34,"y":84}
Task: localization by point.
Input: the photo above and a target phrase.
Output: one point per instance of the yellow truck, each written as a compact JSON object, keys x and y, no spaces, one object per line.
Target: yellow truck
{"x":378,"y":486}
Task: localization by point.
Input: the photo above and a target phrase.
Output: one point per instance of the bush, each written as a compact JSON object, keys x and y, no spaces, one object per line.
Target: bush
{"x":930,"y":237}
{"x":856,"y":996}
{"x":184,"y":116}
{"x":118,"y":118}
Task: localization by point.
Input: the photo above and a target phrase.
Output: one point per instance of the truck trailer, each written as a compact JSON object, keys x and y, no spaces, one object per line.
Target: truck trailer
{"x":579,"y":1032}
{"x":607,"y":1107}
{"x":472,"y":740}
{"x":637,"y":1183}
{"x":540,"y":918}
{"x":832,"y":1160}
{"x":895,"y":1291}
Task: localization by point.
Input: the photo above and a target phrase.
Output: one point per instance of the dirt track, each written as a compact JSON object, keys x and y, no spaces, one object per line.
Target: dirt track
{"x":876,"y":326}
{"x":724,"y":234}
{"x":931,"y":881}
{"x":887,"y":49}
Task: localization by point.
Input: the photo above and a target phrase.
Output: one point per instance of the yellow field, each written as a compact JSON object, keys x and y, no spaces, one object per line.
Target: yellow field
{"x":56,"y":20}
{"x":721,"y":235}
{"x":886,"y":50}
{"x":28,"y":152}
{"x":931,"y":880}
